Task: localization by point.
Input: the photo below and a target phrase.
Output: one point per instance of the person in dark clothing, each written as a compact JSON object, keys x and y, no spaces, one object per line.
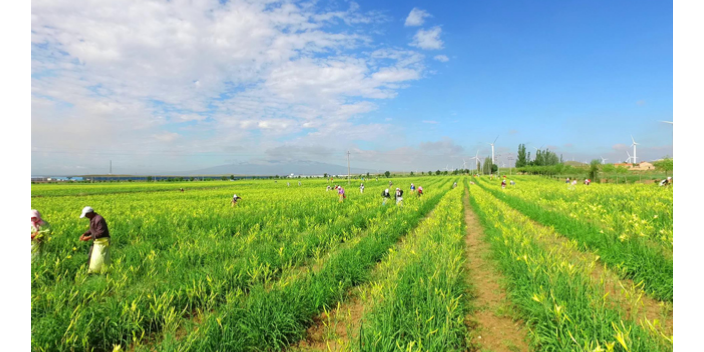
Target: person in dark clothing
{"x":385,"y":195}
{"x":399,"y":197}
{"x":98,"y":232}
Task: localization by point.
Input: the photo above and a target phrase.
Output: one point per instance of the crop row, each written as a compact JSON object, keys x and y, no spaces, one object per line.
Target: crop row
{"x":177,"y":253}
{"x":417,"y":303}
{"x":636,"y":257}
{"x":272,"y":317}
{"x":565,"y":308}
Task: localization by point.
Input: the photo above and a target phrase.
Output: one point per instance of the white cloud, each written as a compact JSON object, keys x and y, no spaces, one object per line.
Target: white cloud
{"x":441,"y":58}
{"x":416,"y":17}
{"x":428,"y":39}
{"x":166,"y":136}
{"x":430,"y":121}
{"x":125,"y":74}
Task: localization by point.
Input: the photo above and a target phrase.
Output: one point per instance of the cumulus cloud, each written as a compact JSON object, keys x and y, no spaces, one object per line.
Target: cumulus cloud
{"x":428,"y":39}
{"x":416,"y":17}
{"x":442,"y":58}
{"x":126,"y":75}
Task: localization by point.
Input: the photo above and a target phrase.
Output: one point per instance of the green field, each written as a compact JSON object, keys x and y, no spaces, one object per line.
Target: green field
{"x":588,"y":268}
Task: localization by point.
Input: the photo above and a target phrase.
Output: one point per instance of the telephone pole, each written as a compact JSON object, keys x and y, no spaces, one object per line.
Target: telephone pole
{"x":348,"y":167}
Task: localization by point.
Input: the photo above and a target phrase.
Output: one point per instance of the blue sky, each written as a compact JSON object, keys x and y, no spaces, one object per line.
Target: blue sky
{"x":176,"y":86}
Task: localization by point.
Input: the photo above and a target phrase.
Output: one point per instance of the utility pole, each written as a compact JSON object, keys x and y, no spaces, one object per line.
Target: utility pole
{"x":110,"y":167}
{"x":348,"y":167}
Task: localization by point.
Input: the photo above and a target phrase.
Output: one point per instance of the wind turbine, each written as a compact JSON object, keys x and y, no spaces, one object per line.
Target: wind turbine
{"x":492,"y":149}
{"x":630,"y":158}
{"x":635,"y":159}
{"x":536,"y":151}
{"x":603,"y":161}
{"x":670,"y":122}
{"x":476,"y":160}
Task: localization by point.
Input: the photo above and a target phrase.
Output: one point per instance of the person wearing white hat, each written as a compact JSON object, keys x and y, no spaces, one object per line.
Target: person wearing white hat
{"x":235,"y":198}
{"x":361,"y":188}
{"x":666,"y":182}
{"x":399,"y":197}
{"x":385,"y":195}
{"x":40,"y":231}
{"x":99,"y":252}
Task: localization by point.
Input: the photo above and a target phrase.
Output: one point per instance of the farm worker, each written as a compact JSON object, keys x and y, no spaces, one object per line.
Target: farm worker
{"x":361,"y":188}
{"x":341,"y":193}
{"x":391,"y":183}
{"x":99,"y":253}
{"x":503,"y":184}
{"x":327,"y":189}
{"x":181,"y":189}
{"x":40,"y":231}
{"x":385,"y":195}
{"x":288,"y":184}
{"x":234,"y":200}
{"x":454,"y":185}
{"x":666,"y":182}
{"x":399,"y":197}
{"x":299,"y":183}
{"x":513,"y":183}
{"x":420,"y":191}
{"x":568,"y":180}
{"x":413,"y":188}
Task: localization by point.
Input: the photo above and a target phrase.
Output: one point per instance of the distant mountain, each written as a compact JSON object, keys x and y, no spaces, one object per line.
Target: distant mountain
{"x":281,"y":169}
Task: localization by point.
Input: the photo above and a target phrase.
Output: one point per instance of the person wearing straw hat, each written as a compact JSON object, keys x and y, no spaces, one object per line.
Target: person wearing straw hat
{"x":40,"y":231}
{"x":99,"y":252}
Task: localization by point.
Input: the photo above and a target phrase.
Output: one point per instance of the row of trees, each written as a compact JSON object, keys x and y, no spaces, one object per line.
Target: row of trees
{"x":542,"y":157}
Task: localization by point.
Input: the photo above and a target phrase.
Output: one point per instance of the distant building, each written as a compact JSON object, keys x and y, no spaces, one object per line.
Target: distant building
{"x":642,"y":166}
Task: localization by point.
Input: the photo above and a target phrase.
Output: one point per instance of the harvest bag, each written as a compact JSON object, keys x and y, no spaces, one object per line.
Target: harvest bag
{"x":99,"y":257}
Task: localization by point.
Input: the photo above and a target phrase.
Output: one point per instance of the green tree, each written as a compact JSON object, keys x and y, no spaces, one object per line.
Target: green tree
{"x":149,"y":179}
{"x":664,"y":165}
{"x":411,"y":173}
{"x":387,"y":174}
{"x":232,"y":177}
{"x":594,"y":169}
{"x":325,"y":175}
{"x":494,"y":168}
{"x":608,"y":168}
{"x":437,"y":172}
{"x":487,"y":166}
{"x":521,"y":159}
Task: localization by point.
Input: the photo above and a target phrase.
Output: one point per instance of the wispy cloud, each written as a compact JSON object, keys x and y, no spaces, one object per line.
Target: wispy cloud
{"x":428,"y":39}
{"x":430,"y":121}
{"x":640,"y":102}
{"x":221,"y":74}
{"x":442,"y":58}
{"x":416,"y":17}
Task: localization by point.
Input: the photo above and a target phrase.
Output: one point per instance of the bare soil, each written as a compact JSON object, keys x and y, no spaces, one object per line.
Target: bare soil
{"x":491,"y":330}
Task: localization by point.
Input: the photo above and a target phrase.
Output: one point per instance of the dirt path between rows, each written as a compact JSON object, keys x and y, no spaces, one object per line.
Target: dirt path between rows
{"x":335,"y":330}
{"x":489,"y":328}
